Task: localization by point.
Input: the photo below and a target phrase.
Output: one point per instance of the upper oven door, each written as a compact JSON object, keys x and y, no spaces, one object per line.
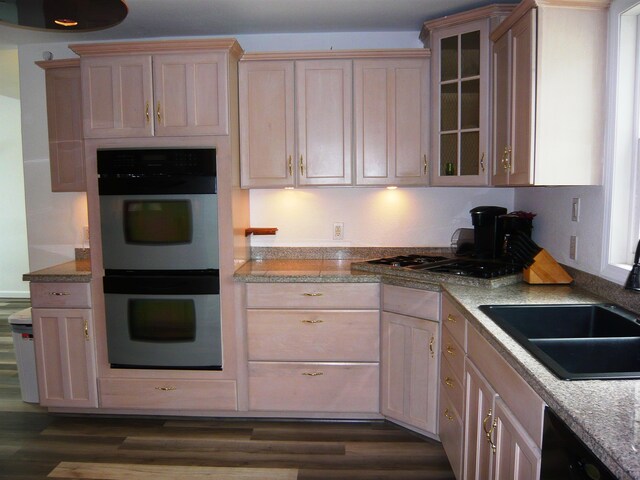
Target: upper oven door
{"x":159,"y":232}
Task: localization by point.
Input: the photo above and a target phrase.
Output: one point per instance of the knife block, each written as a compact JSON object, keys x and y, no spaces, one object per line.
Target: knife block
{"x":545,"y":270}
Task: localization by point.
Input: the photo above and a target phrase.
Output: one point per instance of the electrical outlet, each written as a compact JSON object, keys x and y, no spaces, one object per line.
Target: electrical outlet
{"x":575,"y":209}
{"x":573,"y":247}
{"x":338,"y":231}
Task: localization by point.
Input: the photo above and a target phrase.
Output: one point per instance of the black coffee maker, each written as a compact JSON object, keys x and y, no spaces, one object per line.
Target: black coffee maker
{"x":488,"y":237}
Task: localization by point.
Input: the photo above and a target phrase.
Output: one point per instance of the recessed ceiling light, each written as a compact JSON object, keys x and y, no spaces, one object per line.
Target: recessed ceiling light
{"x":65,"y":22}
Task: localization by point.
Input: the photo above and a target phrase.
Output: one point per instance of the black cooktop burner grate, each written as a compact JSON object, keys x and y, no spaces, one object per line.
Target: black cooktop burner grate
{"x":407,"y":260}
{"x":475,"y":268}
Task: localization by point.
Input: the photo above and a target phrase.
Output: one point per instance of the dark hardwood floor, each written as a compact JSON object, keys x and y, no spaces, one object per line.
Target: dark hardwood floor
{"x":37,"y":445}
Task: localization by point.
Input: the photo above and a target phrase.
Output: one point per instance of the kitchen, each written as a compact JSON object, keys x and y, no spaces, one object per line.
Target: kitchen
{"x":431,"y":210}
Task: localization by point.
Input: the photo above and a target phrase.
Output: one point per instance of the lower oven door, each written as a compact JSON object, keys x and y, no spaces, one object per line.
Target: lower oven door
{"x":163,"y":322}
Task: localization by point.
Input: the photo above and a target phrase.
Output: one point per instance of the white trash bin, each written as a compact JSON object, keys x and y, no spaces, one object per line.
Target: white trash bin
{"x":22,"y":331}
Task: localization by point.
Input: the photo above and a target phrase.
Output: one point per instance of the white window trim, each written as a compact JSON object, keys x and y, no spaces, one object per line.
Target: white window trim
{"x":623,"y":131}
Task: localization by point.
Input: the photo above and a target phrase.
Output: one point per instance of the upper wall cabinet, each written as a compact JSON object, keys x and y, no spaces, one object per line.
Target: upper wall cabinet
{"x":460,"y":89}
{"x":64,"y":119}
{"x":548,"y":95}
{"x":391,"y":121}
{"x":155,"y":88}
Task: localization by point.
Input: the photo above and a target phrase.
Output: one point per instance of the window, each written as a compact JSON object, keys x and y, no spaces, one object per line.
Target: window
{"x":622,"y":177}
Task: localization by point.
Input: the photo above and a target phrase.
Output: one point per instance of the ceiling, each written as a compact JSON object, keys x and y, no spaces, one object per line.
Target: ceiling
{"x":178,"y":18}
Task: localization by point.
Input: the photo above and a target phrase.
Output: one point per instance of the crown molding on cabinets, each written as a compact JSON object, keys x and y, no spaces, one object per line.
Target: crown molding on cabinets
{"x":132,"y":48}
{"x":339,"y":54}
{"x":62,"y":63}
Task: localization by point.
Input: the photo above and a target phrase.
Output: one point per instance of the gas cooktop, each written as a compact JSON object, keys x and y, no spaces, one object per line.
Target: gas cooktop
{"x":464,"y":267}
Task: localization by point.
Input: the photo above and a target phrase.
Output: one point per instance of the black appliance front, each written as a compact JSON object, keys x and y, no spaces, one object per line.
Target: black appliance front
{"x":158,"y":209}
{"x":164,"y":321}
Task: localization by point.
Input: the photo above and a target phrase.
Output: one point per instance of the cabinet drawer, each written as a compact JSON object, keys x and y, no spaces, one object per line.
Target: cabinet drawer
{"x":314,"y":387}
{"x":313,"y":335}
{"x":454,"y":321}
{"x":412,"y":302}
{"x":450,"y":382}
{"x":161,"y":393}
{"x":60,"y":295}
{"x":313,"y":295}
{"x":452,"y":352}
{"x":451,"y":433}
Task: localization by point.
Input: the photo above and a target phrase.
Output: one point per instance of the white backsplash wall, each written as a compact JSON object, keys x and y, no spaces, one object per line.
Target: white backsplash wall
{"x":372,"y":216}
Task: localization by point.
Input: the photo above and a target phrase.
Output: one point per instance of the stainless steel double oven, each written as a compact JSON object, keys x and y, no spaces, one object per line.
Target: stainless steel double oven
{"x":159,"y":224}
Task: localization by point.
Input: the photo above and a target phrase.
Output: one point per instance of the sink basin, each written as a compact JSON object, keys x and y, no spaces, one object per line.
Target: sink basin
{"x":575,"y":342}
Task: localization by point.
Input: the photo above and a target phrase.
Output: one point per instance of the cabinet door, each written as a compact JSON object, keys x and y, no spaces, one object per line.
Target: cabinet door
{"x":65,"y":357}
{"x":324,"y":116}
{"x":267,"y":124}
{"x":117,"y":96}
{"x":517,"y":456}
{"x":190,"y":94}
{"x":479,"y":425}
{"x":501,"y":109}
{"x":410,"y":370}
{"x":460,"y":89}
{"x":390,"y":121}
{"x":64,"y":118}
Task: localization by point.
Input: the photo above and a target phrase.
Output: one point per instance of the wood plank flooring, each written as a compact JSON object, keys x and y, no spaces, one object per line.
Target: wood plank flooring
{"x":37,"y":445}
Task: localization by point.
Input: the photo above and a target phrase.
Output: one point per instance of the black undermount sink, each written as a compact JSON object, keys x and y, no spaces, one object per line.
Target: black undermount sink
{"x":575,"y":342}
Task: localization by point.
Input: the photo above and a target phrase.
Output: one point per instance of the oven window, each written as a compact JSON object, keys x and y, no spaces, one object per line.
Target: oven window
{"x":157,"y":222}
{"x":167,"y":320}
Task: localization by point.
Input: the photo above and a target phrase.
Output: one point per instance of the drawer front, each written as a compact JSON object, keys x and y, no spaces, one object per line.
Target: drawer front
{"x":451,"y":433}
{"x":314,"y":387}
{"x":160,"y":393}
{"x":454,"y":321}
{"x":314,"y":335}
{"x":60,"y":295}
{"x":452,"y":352}
{"x":412,"y":302}
{"x":450,"y":382}
{"x":313,"y":295}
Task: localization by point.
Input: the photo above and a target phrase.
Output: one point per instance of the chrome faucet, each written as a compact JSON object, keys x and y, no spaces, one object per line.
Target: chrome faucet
{"x":633,"y":280}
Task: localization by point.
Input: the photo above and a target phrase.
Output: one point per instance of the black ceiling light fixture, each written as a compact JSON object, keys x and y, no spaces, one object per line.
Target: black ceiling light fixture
{"x":63,"y":15}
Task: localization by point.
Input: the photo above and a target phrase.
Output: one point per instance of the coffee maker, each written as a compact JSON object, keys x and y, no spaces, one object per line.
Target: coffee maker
{"x":488,"y":237}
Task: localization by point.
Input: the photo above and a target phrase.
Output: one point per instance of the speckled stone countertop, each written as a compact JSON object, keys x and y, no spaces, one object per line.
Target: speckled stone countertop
{"x":605,"y":414}
{"x":73,"y":271}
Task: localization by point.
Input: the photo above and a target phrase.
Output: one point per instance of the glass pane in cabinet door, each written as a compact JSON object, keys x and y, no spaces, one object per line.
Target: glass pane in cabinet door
{"x":470,"y":54}
{"x":448,"y":154}
{"x":449,"y":106}
{"x":449,"y":58}
{"x":470,"y":153}
{"x":470,"y":104}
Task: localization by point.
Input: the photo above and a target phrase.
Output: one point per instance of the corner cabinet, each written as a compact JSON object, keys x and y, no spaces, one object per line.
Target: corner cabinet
{"x":410,"y":351}
{"x":548,"y":102}
{"x":64,"y":122}
{"x":460,"y":86}
{"x":179,"y":91}
{"x":64,"y":344}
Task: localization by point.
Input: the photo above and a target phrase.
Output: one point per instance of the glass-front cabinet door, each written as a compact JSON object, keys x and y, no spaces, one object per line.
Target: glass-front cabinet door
{"x":460,"y":89}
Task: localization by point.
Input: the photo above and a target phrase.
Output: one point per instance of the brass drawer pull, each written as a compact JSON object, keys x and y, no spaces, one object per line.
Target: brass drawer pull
{"x":448,"y":381}
{"x":315,"y":294}
{"x":451,"y":350}
{"x":447,"y":414}
{"x":166,"y":389}
{"x":426,"y":164}
{"x":313,"y":322}
{"x":452,"y":318}
{"x":86,"y":331}
{"x":146,"y":112}
{"x":482,"y":162}
{"x":59,"y":294}
{"x":433,"y":355}
{"x":301,"y":166}
{"x":312,"y":374}
{"x":489,"y":431}
{"x":158,"y":114}
{"x":290,"y":167}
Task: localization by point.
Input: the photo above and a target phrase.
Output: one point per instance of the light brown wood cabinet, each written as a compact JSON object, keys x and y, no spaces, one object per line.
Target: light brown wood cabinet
{"x":171,"y":89}
{"x":548,"y":102}
{"x":64,"y":344}
{"x":64,"y":121}
{"x":391,"y":121}
{"x":410,"y":351}
{"x":313,"y":348}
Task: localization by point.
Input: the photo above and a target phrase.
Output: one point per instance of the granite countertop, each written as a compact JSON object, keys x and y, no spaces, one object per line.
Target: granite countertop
{"x":601,"y":412}
{"x":73,"y":271}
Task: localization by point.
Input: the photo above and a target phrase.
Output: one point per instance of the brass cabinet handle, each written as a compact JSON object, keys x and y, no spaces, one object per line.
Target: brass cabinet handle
{"x":86,"y":331}
{"x":313,"y":322}
{"x":506,"y":158}
{"x":290,"y":166}
{"x":166,"y":389}
{"x":433,"y":355}
{"x":448,"y":381}
{"x":59,"y":294}
{"x":158,"y":113}
{"x":452,"y":318}
{"x":146,"y":112}
{"x":301,"y":166}
{"x":426,"y":164}
{"x":482,"y":162}
{"x":312,"y":374}
{"x":451,"y":351}
{"x":314,"y":294}
{"x":488,"y":432}
{"x":447,"y":414}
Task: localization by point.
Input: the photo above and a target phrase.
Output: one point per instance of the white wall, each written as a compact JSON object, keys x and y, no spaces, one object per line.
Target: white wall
{"x":13,"y":241}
